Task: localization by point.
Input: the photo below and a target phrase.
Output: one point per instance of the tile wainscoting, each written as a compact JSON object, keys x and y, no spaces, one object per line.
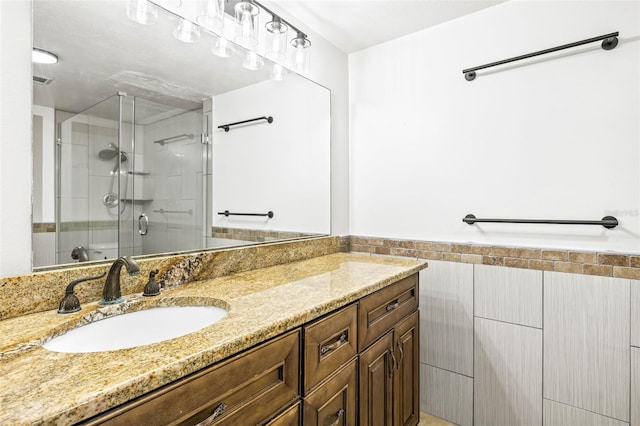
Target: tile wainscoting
{"x":606,"y":264}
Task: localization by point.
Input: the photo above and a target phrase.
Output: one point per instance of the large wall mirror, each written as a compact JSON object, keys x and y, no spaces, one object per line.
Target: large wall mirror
{"x":129,"y":158}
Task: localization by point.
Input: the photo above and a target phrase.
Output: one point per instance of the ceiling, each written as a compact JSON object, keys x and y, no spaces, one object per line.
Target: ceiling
{"x":353,"y":25}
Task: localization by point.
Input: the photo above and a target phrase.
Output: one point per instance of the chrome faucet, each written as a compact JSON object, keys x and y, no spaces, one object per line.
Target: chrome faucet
{"x":111,"y":291}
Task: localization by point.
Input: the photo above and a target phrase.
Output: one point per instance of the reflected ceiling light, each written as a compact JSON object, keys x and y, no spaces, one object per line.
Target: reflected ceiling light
{"x":223,"y":48}
{"x":211,"y":14}
{"x":246,"y":15}
{"x":276,"y":39}
{"x":186,"y":31}
{"x":41,"y":56}
{"x":142,"y":11}
{"x":252,"y":61}
{"x":277,"y":72}
{"x":301,"y":55}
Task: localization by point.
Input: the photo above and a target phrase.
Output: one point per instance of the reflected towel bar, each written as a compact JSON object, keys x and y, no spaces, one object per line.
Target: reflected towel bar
{"x":608,"y":222}
{"x":227,"y":213}
{"x":174,"y":138}
{"x":609,"y":41}
{"x":163,"y":211}
{"x":227,"y":126}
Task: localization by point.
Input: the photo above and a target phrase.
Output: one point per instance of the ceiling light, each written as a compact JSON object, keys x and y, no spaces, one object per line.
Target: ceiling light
{"x":41,"y":56}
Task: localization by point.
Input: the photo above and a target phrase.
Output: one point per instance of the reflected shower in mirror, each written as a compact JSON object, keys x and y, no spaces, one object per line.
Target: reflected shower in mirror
{"x":128,"y":156}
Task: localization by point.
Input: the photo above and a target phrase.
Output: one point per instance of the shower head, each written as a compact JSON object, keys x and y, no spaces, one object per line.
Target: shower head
{"x":112,"y":152}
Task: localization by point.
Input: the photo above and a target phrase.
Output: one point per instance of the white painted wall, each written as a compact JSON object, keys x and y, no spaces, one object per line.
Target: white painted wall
{"x":257,"y":158}
{"x":15,"y":137}
{"x":556,"y":137}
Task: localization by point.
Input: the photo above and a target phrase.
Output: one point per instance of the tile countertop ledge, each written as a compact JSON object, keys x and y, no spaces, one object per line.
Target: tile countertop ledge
{"x":38,"y":386}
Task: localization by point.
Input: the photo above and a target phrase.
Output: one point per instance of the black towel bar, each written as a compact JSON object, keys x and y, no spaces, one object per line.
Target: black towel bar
{"x":608,"y":222}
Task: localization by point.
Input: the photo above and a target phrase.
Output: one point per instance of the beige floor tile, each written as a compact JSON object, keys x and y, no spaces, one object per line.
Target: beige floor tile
{"x":429,"y":420}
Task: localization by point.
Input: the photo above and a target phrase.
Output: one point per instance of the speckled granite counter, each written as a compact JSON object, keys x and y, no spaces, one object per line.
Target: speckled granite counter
{"x":42,"y":387}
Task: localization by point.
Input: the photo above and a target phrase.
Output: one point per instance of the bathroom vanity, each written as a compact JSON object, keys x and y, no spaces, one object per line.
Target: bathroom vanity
{"x":328,"y":340}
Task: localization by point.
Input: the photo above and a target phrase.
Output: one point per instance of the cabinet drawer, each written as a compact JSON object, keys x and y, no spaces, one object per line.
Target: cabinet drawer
{"x":290,"y":417}
{"x":329,"y":343}
{"x":378,"y":312}
{"x":249,"y":387}
{"x":334,"y":402}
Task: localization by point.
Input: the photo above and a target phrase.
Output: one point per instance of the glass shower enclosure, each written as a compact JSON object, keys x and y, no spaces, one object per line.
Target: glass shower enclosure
{"x":131,"y":180}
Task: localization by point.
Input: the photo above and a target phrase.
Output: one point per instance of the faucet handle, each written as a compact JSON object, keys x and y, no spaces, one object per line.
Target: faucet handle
{"x":152,"y":288}
{"x":70,"y":302}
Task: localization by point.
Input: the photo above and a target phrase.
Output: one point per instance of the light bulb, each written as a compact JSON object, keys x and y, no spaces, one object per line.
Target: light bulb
{"x":277,"y":72}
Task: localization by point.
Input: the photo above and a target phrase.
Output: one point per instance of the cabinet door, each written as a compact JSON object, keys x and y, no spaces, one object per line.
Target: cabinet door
{"x":376,"y":382}
{"x":406,"y":401}
{"x":334,"y":402}
{"x":290,"y":417}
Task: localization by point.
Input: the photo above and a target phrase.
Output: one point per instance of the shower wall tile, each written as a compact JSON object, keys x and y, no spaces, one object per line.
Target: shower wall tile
{"x":508,"y":294}
{"x":67,"y":240}
{"x":74,"y":209}
{"x":446,"y":395}
{"x":556,"y":414}
{"x":79,"y":134}
{"x":446,"y":316}
{"x":74,"y":183}
{"x":586,"y":342}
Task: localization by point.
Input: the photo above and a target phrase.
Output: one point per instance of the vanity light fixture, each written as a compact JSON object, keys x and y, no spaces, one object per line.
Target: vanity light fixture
{"x":41,"y":56}
{"x":246,"y":15}
{"x":276,"y":39}
{"x":301,"y":56}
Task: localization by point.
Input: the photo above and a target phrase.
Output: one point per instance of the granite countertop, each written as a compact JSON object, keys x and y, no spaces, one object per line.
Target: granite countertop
{"x":38,"y":386}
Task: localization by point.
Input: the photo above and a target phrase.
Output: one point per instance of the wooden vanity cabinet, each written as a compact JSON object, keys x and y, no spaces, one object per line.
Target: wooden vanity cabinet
{"x":357,"y":365}
{"x":389,"y":367}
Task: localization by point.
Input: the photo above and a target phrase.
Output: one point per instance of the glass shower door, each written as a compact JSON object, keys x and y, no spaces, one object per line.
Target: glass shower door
{"x":163,"y":190}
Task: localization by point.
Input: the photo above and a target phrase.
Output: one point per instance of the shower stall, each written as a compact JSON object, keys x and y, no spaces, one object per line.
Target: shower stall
{"x":131,"y":180}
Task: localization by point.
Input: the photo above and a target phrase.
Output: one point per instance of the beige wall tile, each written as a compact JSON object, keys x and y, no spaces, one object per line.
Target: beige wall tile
{"x":555,"y":255}
{"x":613,"y":259}
{"x":602,"y":270}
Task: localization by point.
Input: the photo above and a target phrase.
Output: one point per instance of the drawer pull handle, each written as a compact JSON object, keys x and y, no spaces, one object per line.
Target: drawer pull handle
{"x":339,"y":414}
{"x":393,"y":306}
{"x":217,"y":412}
{"x":392,"y":365}
{"x":325,"y":349}
{"x":401,"y":353}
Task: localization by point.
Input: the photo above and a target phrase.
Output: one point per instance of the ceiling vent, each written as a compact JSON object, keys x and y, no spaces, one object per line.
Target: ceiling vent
{"x":42,"y":80}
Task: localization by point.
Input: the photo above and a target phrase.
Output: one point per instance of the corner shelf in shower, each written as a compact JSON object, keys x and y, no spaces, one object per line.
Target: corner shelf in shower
{"x":139,"y":173}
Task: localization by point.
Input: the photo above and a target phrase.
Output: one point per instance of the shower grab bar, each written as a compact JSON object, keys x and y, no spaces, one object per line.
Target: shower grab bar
{"x":608,"y":222}
{"x":609,"y":41}
{"x":174,"y":138}
{"x":163,"y":211}
{"x":227,"y":213}
{"x":227,"y":126}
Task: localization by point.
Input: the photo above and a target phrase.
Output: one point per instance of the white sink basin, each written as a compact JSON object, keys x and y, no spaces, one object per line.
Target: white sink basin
{"x":136,"y":329}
